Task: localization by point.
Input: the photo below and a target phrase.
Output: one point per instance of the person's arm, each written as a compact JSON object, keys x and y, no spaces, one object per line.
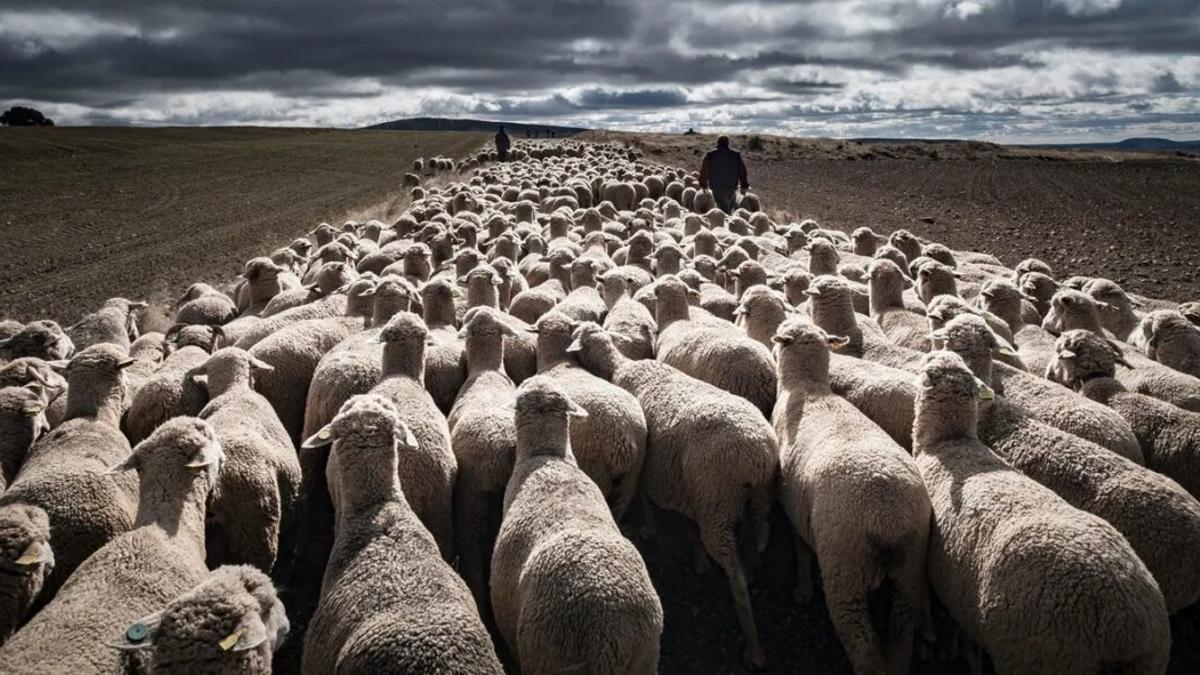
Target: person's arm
{"x":743,"y":178}
{"x":704,"y":173}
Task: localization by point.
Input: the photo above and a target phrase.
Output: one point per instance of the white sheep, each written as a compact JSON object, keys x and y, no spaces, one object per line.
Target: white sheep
{"x":567,"y":589}
{"x":1042,"y":586}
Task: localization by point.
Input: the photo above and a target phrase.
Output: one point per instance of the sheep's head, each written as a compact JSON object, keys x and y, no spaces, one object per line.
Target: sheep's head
{"x":799,"y":338}
{"x":1082,"y":355}
{"x":934,"y":279}
{"x":25,"y":554}
{"x":1033,"y":265}
{"x":1167,"y":333}
{"x":481,"y":278}
{"x":542,"y":403}
{"x":229,"y":367}
{"x":670,"y":291}
{"x":29,"y":370}
{"x":944,"y":308}
{"x":205,"y":337}
{"x":749,"y":273}
{"x":885,"y":277}
{"x":1070,"y":310}
{"x":866,"y":242}
{"x":98,"y":365}
{"x":941,"y":254}
{"x":894,"y":254}
{"x":946,"y":381}
{"x":261,"y":270}
{"x":1191,"y":312}
{"x":187,"y":443}
{"x":827,"y":290}
{"x":365,"y":422}
{"x":795,"y":283}
{"x":484,"y":323}
{"x":823,"y":257}
{"x":970,"y":337}
{"x":906,"y":243}
{"x":404,"y":327}
{"x":193,"y":292}
{"x":23,"y":415}
{"x":233,"y":620}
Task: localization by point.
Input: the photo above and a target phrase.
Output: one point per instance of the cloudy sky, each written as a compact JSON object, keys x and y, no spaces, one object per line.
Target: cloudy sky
{"x":1010,"y":70}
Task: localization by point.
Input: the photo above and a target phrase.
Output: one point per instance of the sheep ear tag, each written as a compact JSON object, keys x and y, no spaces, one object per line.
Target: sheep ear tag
{"x":231,"y":640}
{"x":837,"y":343}
{"x":986,"y":393}
{"x":320,"y":439}
{"x":35,"y":554}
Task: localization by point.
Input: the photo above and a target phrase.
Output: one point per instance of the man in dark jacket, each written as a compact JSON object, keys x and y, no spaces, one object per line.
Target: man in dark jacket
{"x":722,"y":171}
{"x":502,"y":145}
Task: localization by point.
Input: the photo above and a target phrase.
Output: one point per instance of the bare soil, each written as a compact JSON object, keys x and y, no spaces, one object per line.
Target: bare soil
{"x":87,"y":214}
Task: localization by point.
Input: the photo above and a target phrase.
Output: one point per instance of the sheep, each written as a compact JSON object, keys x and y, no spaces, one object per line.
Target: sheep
{"x":1040,"y":289}
{"x":9,"y":328}
{"x":1169,"y":437}
{"x":1071,"y":310}
{"x":445,"y":358}
{"x":905,"y":328}
{"x":943,"y":308}
{"x":520,"y":349}
{"x":583,"y":303}
{"x":1035,"y":346}
{"x":114,"y":323}
{"x":1167,"y":337}
{"x":138,"y":571}
{"x":709,"y":456}
{"x":388,"y":600}
{"x":629,"y":322}
{"x":295,"y":350}
{"x":484,"y":440}
{"x":327,"y":279}
{"x":204,"y":305}
{"x":1001,"y":547}
{"x":44,"y":340}
{"x":720,"y":356}
{"x":760,"y":312}
{"x":428,"y":474}
{"x":609,"y":444}
{"x":148,"y":352}
{"x":1116,"y":309}
{"x":22,"y":423}
{"x":1158,"y":517}
{"x":567,"y":589}
{"x":26,"y":558}
{"x":28,"y":370}
{"x":355,"y":302}
{"x":1051,"y":404}
{"x":854,"y":498}
{"x":65,"y":471}
{"x":257,"y":490}
{"x":169,"y":391}
{"x":231,"y":622}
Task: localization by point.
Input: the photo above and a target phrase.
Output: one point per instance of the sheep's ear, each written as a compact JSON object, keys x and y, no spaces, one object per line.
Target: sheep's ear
{"x":693,"y":294}
{"x":837,"y":342}
{"x":126,"y":363}
{"x":138,"y":305}
{"x":576,"y":411}
{"x":409,"y":439}
{"x":35,"y":407}
{"x":462,"y":279}
{"x":531,"y":329}
{"x":199,"y":379}
{"x":324,"y":437}
{"x":248,"y":636}
{"x":782,"y":339}
{"x":740,"y":310}
{"x":462,"y":333}
{"x":1101,"y":304}
{"x":812,"y":292}
{"x":139,"y":634}
{"x":210,"y":454}
{"x":130,"y":463}
{"x":1005,"y":351}
{"x":260,"y":365}
{"x":1066,"y":354}
{"x":36,"y":553}
{"x":575,"y":346}
{"x":939,"y":334}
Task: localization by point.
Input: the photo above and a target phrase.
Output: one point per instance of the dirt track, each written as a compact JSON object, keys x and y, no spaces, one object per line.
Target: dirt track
{"x":89,"y":214}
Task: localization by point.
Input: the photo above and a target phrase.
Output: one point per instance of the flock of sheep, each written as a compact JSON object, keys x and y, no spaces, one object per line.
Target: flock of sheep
{"x":435,"y":435}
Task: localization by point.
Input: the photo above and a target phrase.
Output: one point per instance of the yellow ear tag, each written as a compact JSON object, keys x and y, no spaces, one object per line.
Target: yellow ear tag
{"x":229,"y":642}
{"x":324,"y":435}
{"x":28,"y":559}
{"x":986,"y":394}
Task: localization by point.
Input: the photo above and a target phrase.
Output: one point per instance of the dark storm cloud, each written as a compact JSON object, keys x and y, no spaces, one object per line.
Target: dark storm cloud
{"x":912,"y":65}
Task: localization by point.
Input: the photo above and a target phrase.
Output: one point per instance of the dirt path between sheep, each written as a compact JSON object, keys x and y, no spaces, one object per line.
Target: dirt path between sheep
{"x":87,"y":214}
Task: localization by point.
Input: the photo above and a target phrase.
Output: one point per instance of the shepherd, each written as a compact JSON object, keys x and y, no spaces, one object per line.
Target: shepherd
{"x":722,"y":171}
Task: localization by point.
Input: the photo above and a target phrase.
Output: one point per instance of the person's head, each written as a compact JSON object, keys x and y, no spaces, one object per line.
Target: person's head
{"x":722,"y":141}
{"x":501,"y":128}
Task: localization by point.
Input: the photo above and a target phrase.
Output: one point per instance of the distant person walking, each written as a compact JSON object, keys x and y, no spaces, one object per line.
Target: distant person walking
{"x":722,"y":171}
{"x":502,"y":144}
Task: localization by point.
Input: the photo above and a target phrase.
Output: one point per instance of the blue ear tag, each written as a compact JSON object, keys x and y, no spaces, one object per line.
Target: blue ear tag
{"x":137,"y":632}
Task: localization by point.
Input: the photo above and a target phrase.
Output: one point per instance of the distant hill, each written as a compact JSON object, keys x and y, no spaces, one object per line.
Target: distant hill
{"x":445,"y":124}
{"x":1143,"y":144}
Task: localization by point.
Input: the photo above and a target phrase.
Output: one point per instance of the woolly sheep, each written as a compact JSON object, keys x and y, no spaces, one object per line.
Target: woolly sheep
{"x":567,"y":588}
{"x":114,"y":323}
{"x":202,"y":304}
{"x":44,"y":340}
{"x":231,"y":622}
{"x":1051,"y":404}
{"x":65,"y":472}
{"x":1191,"y":311}
{"x":1169,"y":338}
{"x":257,"y":490}
{"x":1035,"y":346}
{"x":41,"y":376}
{"x":138,"y":571}
{"x":22,"y":423}
{"x":1071,"y":310}
{"x":388,"y":600}
{"x":1115,"y":308}
{"x":169,"y":391}
{"x":709,"y":456}
{"x":723,"y":357}
{"x":760,"y":312}
{"x":484,"y":440}
{"x":1158,"y":517}
{"x":1001,"y":545}
{"x":148,"y":352}
{"x":630,"y":323}
{"x":905,"y":328}
{"x":427,"y":474}
{"x":854,"y":498}
{"x":1169,"y":437}
{"x":26,"y":558}
{"x":610,"y":443}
